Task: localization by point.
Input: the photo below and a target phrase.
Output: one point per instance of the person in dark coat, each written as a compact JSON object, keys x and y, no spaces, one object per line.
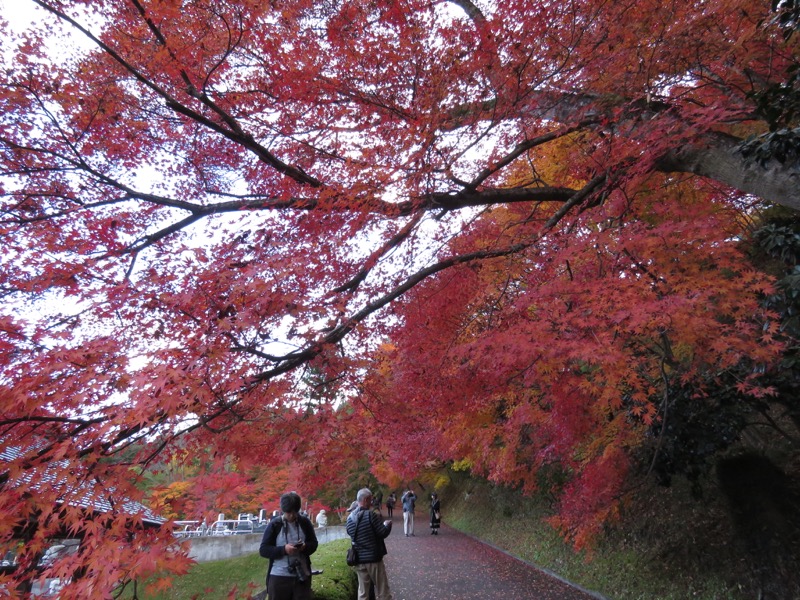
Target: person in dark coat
{"x":367,"y":532}
{"x":436,"y":517}
{"x":288,"y":542}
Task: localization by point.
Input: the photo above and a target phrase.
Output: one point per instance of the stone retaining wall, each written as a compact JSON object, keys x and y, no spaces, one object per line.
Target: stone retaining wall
{"x":210,"y":548}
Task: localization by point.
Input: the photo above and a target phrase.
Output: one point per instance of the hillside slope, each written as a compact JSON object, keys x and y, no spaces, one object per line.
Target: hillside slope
{"x":667,"y":545}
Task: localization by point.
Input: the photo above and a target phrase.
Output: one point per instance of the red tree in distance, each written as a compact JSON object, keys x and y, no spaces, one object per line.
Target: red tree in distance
{"x":214,"y":177}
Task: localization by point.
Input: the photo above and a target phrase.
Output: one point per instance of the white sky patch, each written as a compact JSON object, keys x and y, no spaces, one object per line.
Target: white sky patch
{"x":23,"y":16}
{"x":20,"y":15}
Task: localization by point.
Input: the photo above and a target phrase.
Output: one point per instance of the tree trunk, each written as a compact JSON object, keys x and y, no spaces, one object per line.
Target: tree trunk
{"x":721,"y":161}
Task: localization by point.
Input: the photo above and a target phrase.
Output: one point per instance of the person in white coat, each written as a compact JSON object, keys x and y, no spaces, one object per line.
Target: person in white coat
{"x":322,"y":519}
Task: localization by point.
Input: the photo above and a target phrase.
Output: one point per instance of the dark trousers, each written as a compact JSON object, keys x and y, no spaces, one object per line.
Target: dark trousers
{"x":288,"y":588}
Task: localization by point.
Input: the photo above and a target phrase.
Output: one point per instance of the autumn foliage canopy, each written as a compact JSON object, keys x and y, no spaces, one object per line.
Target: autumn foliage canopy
{"x":502,"y":234}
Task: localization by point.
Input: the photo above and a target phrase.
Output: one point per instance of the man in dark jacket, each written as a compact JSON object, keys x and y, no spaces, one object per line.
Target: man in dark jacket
{"x":288,"y":542}
{"x":367,"y":532}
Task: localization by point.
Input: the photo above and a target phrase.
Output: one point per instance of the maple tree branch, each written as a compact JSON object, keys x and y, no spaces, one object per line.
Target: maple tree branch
{"x":433,"y":201}
{"x":772,"y":423}
{"x":718,"y":156}
{"x":372,"y":260}
{"x":149,"y":240}
{"x":576,"y":199}
{"x":335,"y":335}
{"x":368,"y":99}
{"x":227,"y":407}
{"x":713,"y":155}
{"x":82,"y":423}
{"x":472,"y":11}
{"x":338,"y":333}
{"x":665,"y":404}
{"x":235,"y":133}
{"x":656,"y":279}
{"x":489,"y":197}
{"x":247,"y":141}
{"x":230,"y":48}
{"x":544,"y":105}
{"x":523,"y":147}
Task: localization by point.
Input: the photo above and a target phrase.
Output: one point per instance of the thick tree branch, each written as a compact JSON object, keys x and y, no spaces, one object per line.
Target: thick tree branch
{"x":337,"y":334}
{"x":712,"y":155}
{"x":717,"y":157}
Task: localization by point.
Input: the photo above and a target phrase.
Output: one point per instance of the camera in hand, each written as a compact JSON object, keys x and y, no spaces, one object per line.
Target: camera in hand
{"x":297,"y":569}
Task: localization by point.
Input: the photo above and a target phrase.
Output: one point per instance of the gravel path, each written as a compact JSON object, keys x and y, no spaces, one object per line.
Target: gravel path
{"x":454,"y":566}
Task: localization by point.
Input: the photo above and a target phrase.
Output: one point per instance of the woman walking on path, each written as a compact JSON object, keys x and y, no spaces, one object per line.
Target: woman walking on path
{"x":436,"y":517}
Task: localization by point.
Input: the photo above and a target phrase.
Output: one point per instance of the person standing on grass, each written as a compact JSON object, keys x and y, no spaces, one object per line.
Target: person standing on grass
{"x":288,"y":542}
{"x":409,"y":500}
{"x":367,"y":532}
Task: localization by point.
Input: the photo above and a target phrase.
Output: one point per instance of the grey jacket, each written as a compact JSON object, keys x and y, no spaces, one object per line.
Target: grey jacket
{"x":367,"y":532}
{"x":409,"y":500}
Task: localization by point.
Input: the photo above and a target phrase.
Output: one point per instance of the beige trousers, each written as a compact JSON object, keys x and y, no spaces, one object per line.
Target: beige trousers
{"x":373,"y":573}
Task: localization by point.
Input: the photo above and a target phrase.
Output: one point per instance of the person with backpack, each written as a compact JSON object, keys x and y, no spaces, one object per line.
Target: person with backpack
{"x":367,"y":532}
{"x":390,"y":502}
{"x":288,"y":542}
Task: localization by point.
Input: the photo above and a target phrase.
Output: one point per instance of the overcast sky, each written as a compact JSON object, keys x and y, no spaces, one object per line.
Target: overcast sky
{"x":18,"y":12}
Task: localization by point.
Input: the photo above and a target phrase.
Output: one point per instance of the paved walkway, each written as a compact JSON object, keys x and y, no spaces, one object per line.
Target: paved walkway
{"x":454,"y":566}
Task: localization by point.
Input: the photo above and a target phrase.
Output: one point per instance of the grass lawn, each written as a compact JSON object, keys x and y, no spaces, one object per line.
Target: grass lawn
{"x":242,"y":577}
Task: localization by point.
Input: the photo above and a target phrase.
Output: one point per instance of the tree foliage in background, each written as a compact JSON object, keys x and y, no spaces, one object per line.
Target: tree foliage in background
{"x":584,"y":358}
{"x":202,"y":201}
